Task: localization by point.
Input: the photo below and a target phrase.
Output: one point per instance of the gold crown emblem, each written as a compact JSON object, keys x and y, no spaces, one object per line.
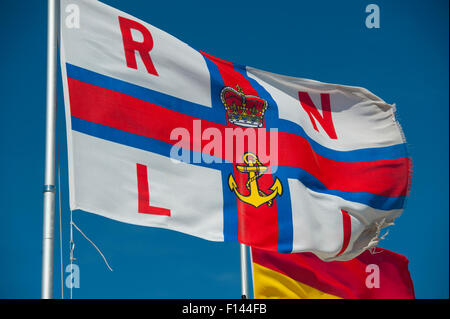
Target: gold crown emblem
{"x":243,"y":110}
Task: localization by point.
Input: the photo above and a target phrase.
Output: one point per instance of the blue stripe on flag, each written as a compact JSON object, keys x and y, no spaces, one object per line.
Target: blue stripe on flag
{"x":230,"y":213}
{"x":140,"y":142}
{"x":144,"y":94}
{"x":285,"y":224}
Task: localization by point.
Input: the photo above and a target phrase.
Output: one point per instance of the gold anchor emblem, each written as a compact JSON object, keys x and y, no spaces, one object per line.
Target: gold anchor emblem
{"x":255,"y":169}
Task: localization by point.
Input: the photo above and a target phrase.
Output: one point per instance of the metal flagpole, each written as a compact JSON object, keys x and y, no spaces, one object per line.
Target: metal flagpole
{"x":49,"y":181}
{"x":244,"y":272}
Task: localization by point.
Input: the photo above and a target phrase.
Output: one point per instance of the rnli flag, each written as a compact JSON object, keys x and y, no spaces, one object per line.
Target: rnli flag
{"x":161,"y":134}
{"x":375,"y":274}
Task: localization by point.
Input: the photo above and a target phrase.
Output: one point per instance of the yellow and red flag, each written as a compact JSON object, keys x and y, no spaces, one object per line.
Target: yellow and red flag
{"x":380,"y":274}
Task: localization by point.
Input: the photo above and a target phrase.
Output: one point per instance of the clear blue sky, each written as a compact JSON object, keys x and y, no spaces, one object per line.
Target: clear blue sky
{"x":404,"y":62}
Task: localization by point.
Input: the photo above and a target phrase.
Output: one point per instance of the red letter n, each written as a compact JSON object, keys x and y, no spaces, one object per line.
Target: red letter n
{"x":144,"y":196}
{"x":130,"y":46}
{"x":325,"y":119}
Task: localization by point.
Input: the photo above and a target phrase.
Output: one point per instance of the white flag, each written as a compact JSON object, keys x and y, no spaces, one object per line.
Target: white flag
{"x":163,"y":135}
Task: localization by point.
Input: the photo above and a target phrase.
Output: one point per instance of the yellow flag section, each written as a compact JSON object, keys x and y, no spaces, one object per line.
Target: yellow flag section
{"x":379,"y":274}
{"x":270,"y":284}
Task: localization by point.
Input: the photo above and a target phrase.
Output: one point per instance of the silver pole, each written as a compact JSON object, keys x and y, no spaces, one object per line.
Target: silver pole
{"x":49,"y":181}
{"x":244,"y":272}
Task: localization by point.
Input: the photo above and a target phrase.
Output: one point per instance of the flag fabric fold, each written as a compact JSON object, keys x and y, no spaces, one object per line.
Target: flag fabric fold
{"x":374,"y":274}
{"x":163,"y":135}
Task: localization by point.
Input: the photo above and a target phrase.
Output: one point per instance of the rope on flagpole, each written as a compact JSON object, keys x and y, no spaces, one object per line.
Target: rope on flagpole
{"x":99,"y":251}
{"x":72,"y":248}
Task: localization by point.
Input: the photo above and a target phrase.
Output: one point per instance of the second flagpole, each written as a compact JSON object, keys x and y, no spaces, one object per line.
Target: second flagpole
{"x":244,"y":272}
